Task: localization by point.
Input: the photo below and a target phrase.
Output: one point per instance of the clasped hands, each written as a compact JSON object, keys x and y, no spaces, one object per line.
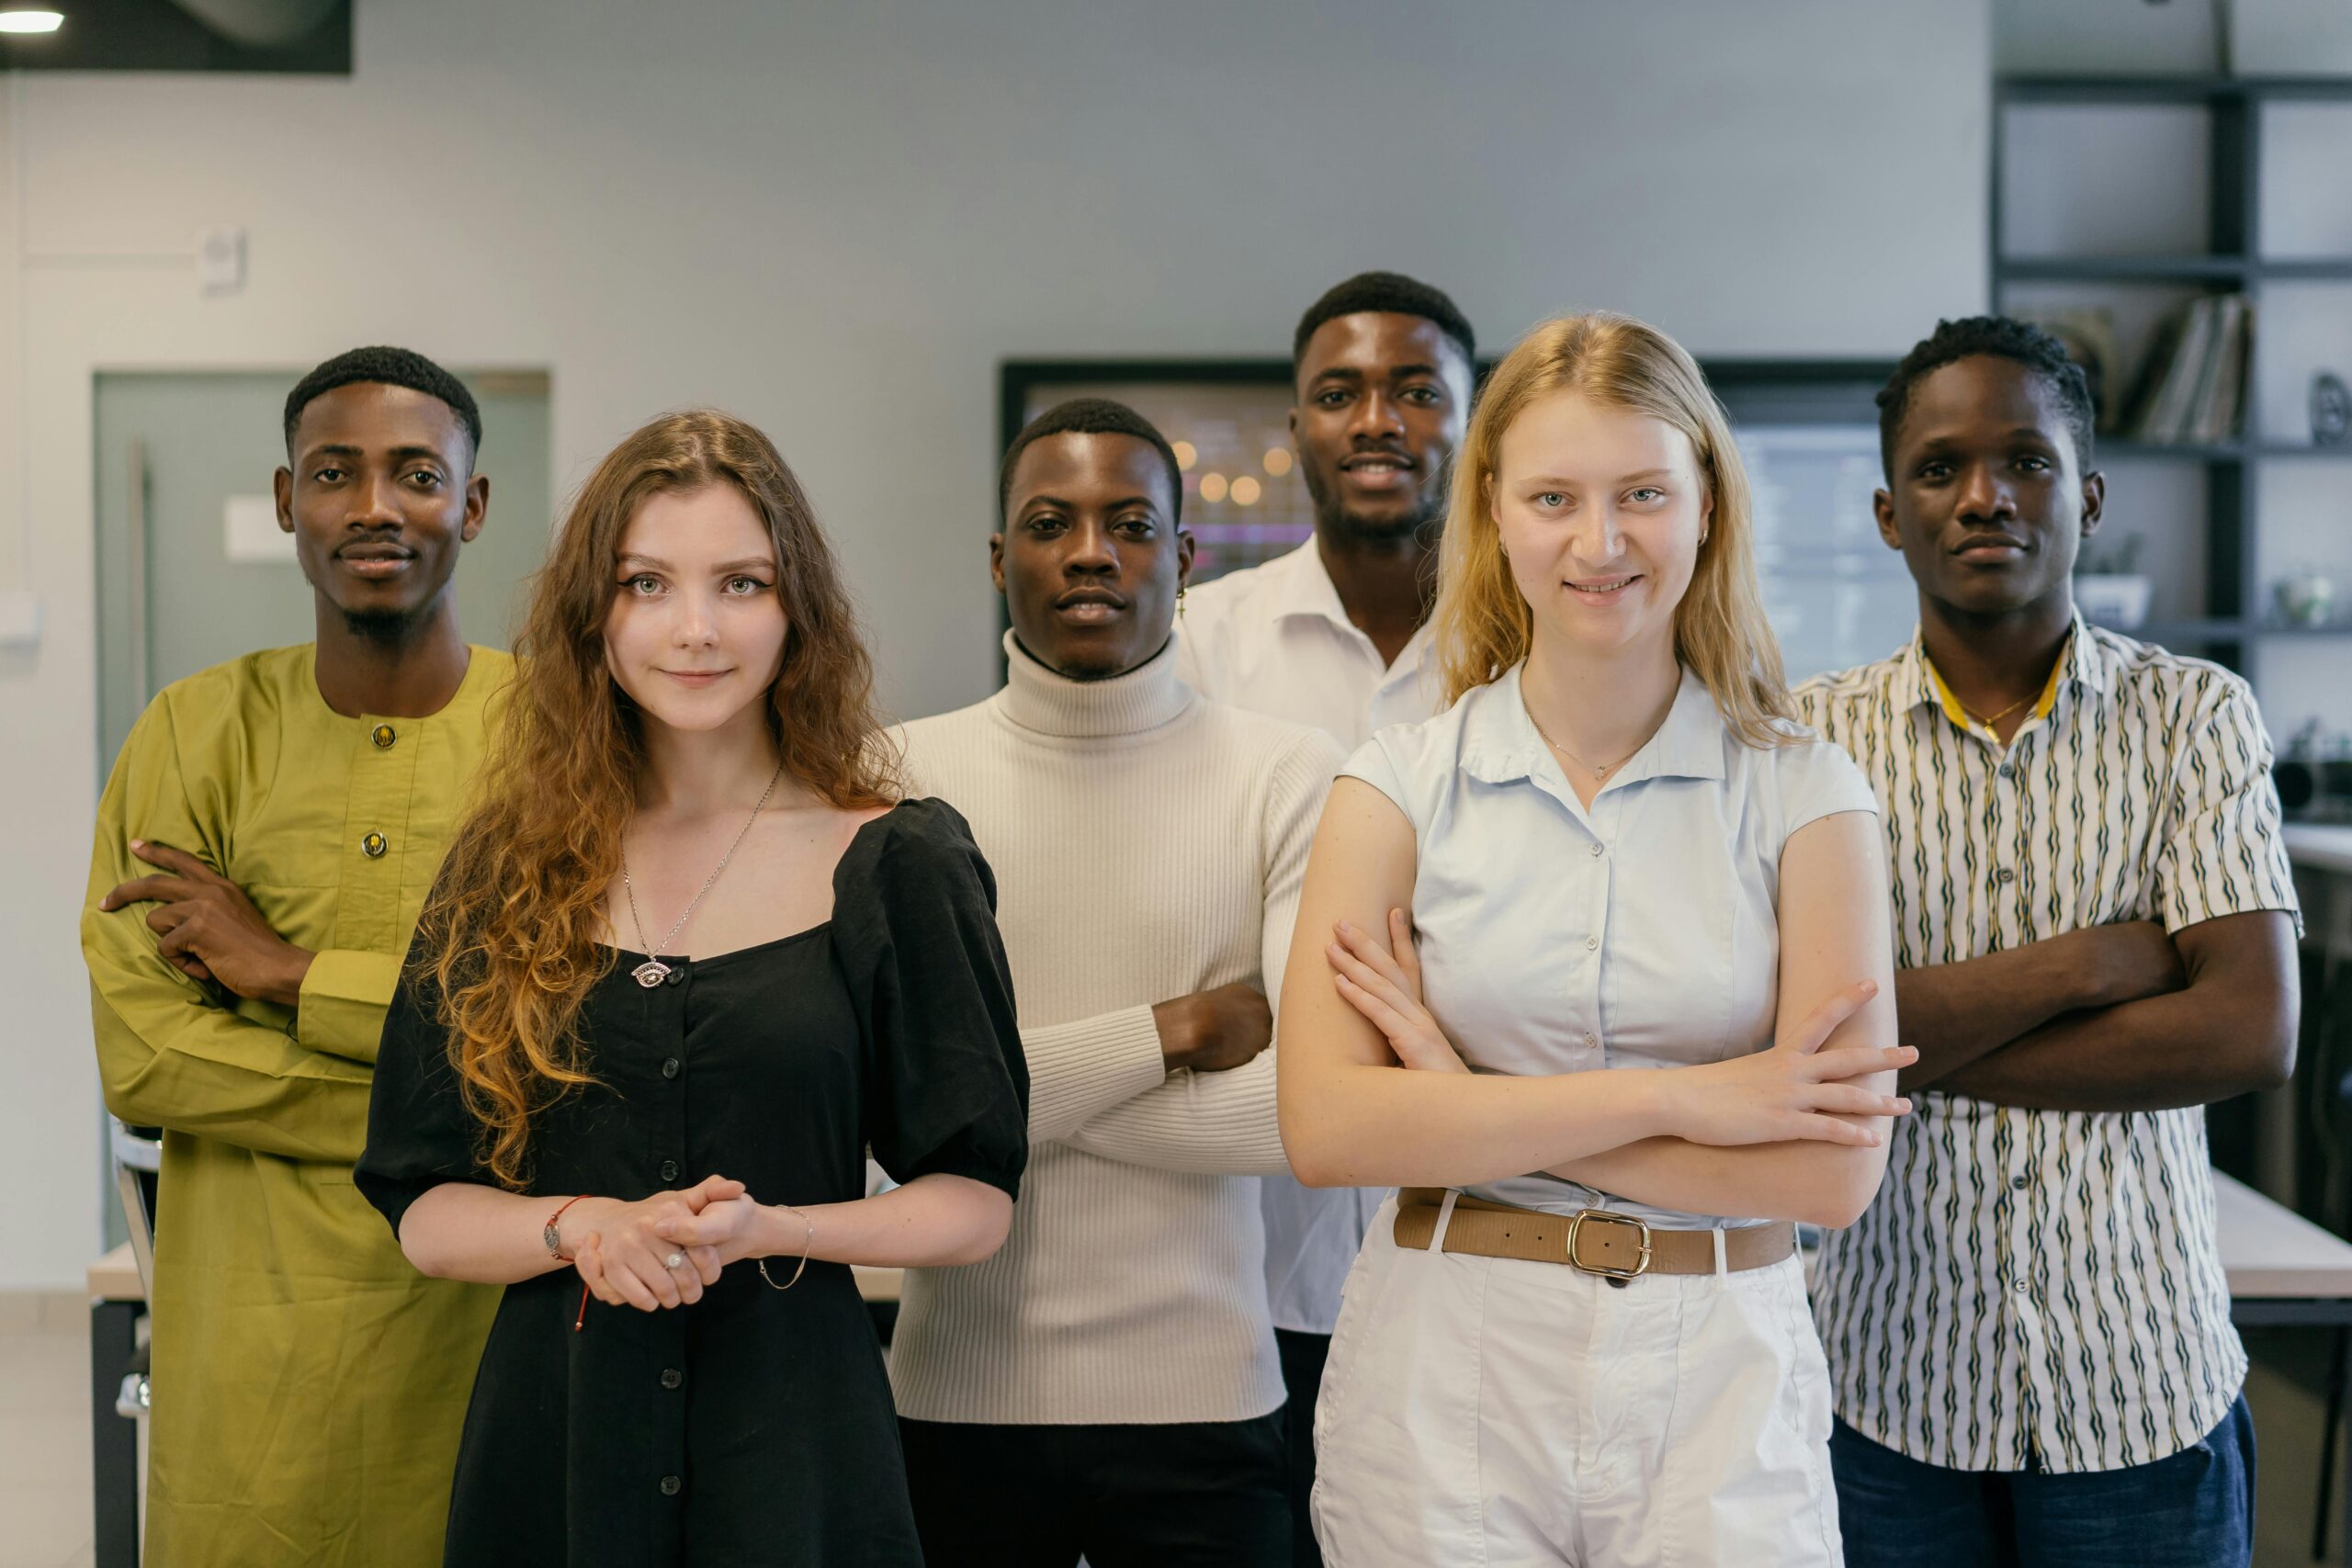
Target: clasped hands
{"x":623,"y":1250}
{"x":1795,"y":1090}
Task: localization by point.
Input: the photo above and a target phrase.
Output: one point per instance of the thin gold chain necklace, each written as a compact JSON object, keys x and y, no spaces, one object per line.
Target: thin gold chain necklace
{"x":1571,"y":756}
{"x":1989,"y":723}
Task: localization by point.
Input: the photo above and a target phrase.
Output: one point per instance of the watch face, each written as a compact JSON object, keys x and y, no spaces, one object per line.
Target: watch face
{"x":2331,"y":409}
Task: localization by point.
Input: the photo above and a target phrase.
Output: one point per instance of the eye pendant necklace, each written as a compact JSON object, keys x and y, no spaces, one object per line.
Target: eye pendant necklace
{"x":652,"y":972}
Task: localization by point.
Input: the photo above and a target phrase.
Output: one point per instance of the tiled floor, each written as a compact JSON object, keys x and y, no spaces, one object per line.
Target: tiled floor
{"x":45,"y":1512}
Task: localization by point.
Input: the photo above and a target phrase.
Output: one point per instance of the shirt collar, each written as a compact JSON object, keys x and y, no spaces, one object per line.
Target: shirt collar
{"x":1305,"y":592}
{"x":1306,"y":588}
{"x":1500,"y":741}
{"x":1917,"y":682}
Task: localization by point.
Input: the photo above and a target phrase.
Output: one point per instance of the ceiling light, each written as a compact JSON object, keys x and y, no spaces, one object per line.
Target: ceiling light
{"x":31,"y":21}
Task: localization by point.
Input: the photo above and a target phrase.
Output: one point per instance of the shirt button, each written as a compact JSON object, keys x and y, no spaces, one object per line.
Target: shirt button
{"x":672,"y":1377}
{"x":383,"y":735}
{"x":1591,"y":943}
{"x":374,"y":845}
{"x":669,"y":1170}
{"x":1596,"y":849}
{"x":670,"y":1068}
{"x":1589,"y":1040}
{"x":2016,"y":1183}
{"x":2005,"y":874}
{"x":2006,"y":770}
{"x":670,"y":1485}
{"x":2019,"y":1285}
{"x":676,"y":976}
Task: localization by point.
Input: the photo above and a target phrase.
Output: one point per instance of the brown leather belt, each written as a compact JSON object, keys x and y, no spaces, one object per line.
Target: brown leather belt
{"x":1616,"y":1247}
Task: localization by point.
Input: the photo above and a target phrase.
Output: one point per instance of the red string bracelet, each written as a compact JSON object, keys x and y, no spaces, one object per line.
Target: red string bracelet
{"x":554,"y":1239}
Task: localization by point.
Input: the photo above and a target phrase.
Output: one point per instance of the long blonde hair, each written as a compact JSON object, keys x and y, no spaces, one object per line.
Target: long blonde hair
{"x":511,"y":935}
{"x":1483,"y":624}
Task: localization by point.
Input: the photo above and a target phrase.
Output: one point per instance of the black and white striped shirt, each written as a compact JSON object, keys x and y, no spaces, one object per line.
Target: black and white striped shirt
{"x":2043,"y":1284}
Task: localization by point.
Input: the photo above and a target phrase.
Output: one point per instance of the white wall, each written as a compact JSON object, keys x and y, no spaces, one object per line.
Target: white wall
{"x":836,"y":221}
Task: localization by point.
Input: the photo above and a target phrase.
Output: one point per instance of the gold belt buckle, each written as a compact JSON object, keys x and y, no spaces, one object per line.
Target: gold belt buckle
{"x":1602,"y":1216}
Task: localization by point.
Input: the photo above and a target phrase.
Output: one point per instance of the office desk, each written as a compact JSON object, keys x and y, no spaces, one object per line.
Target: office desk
{"x":2324,"y":846}
{"x":2285,"y":1270}
{"x":117,"y":1301}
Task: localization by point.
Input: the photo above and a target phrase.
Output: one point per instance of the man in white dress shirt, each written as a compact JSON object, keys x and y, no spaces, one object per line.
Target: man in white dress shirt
{"x":1335,"y":635}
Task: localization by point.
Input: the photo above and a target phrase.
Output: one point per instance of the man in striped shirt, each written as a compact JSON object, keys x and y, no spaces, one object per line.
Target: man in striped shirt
{"x":2029,"y":1331}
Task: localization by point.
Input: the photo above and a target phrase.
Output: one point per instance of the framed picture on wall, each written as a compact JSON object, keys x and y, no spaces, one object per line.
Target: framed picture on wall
{"x":1807,"y":430}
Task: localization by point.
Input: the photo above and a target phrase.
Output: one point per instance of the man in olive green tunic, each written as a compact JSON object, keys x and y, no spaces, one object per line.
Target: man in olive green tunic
{"x":263,"y":845}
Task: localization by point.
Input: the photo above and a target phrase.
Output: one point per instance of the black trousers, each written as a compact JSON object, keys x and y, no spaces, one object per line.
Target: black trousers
{"x":1303,"y":1357}
{"x":1207,"y":1494}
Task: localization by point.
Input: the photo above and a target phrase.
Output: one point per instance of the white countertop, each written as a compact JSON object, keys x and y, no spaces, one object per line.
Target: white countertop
{"x":2269,"y":1250}
{"x":2325,"y":846}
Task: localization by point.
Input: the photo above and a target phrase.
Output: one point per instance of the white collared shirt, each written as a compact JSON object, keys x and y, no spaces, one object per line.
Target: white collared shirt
{"x":2043,"y":1285}
{"x":1640,"y":931}
{"x":1276,"y":640}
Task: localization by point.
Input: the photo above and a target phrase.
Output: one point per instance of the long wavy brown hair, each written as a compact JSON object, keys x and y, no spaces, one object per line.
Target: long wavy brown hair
{"x":511,"y":933}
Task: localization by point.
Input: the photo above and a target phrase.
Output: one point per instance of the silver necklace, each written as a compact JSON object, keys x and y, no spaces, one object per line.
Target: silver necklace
{"x":652,"y":972}
{"x":1571,"y":756}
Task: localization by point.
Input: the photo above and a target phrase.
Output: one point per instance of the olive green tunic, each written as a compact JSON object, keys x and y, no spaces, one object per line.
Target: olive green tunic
{"x":308,"y":1383}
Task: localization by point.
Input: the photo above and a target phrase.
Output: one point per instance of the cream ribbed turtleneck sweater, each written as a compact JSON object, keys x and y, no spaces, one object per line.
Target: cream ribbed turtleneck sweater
{"x":1148,"y":843}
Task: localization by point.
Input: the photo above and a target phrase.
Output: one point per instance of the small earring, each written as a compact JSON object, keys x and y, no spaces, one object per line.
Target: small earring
{"x":1181,"y":589}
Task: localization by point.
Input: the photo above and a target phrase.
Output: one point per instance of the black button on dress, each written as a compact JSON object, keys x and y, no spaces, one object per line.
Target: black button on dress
{"x":755,"y":1426}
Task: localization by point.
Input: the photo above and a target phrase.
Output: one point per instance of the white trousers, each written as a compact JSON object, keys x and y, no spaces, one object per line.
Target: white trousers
{"x":1486,"y":1411}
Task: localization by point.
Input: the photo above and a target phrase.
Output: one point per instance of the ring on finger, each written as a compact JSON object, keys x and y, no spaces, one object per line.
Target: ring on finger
{"x":675,"y":1261}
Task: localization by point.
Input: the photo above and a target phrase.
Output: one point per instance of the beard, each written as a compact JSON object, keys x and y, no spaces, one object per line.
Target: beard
{"x":385,"y":627}
{"x":1425,"y":520}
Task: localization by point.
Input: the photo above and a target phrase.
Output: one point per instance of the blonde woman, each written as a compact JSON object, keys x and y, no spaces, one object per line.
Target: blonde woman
{"x":1578,"y":1332}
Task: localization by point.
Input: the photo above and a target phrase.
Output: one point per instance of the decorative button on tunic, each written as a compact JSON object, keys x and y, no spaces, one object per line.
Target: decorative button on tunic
{"x":756,"y":1424}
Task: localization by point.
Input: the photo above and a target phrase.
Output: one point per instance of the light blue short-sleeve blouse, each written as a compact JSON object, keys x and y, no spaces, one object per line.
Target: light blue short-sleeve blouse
{"x":1640,"y":933}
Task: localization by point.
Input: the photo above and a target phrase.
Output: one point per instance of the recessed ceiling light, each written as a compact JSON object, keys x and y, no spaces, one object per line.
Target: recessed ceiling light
{"x":31,"y":21}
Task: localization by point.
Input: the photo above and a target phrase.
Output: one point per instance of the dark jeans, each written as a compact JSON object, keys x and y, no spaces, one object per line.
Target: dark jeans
{"x":1207,"y":1494}
{"x":1303,"y":1357}
{"x":2192,"y":1509}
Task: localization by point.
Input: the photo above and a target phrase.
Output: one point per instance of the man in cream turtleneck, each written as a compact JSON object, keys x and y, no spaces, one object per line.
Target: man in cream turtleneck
{"x":1107,"y":1383}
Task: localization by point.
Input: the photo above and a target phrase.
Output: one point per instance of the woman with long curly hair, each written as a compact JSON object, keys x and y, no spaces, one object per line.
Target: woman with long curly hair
{"x":662,"y":1156}
{"x":1647,"y":1026}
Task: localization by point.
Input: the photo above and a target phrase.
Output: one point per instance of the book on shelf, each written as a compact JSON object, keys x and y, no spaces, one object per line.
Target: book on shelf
{"x":2088,"y":333}
{"x":2192,"y":387}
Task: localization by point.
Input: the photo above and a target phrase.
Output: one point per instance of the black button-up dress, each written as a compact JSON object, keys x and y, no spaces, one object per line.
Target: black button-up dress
{"x":755,"y":1426}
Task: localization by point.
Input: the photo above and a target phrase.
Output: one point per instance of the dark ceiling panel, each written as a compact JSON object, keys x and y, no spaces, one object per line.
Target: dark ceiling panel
{"x":156,"y":35}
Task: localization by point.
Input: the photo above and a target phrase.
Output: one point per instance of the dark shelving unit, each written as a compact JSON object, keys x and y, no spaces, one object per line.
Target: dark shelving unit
{"x":2234,"y":621}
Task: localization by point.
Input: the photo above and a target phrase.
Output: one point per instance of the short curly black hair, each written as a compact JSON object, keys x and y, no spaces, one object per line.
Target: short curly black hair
{"x":1091,"y":416}
{"x":2003,"y":337}
{"x":394,"y":368}
{"x":1388,"y":291}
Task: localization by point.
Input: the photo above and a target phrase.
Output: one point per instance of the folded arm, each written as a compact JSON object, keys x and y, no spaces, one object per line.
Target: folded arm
{"x":1350,"y":1114}
{"x":2231,"y":1030}
{"x":1834,"y":930}
{"x":172,"y":1052}
{"x":1207,"y":1123}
